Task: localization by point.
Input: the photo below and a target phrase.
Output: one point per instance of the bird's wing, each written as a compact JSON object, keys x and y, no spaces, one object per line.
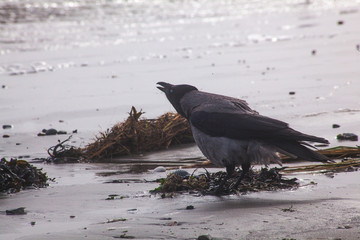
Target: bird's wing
{"x":246,"y":126}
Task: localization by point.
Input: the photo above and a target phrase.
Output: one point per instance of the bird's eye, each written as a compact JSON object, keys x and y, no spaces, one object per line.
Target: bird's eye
{"x":171,"y":90}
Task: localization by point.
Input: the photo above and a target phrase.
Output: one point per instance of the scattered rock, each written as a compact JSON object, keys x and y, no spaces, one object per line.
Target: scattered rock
{"x":124,"y":236}
{"x":3,"y":86}
{"x":335,"y":125}
{"x":72,"y":216}
{"x":51,"y":131}
{"x":340,"y":22}
{"x":292,"y":93}
{"x":7,"y":126}
{"x":313,"y":52}
{"x":6,"y":136}
{"x":16,"y":211}
{"x":160,"y":169}
{"x":75,"y":131}
{"x":190,"y":207}
{"x":347,"y":137}
{"x":204,"y":237}
{"x":181,"y":173}
{"x":290,"y":209}
{"x":33,"y":223}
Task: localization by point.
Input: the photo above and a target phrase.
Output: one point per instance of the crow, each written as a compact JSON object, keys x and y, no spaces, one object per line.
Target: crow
{"x":230,"y":134}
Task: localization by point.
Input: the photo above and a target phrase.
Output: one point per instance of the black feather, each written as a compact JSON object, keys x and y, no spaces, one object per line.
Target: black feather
{"x":247,"y":126}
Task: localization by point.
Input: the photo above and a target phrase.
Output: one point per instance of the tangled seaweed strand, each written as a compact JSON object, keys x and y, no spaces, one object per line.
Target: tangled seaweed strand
{"x":137,"y":135}
{"x":19,"y":174}
{"x":262,"y":180}
{"x":64,"y":153}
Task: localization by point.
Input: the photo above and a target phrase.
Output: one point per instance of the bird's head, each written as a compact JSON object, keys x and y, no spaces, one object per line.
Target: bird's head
{"x":174,"y":93}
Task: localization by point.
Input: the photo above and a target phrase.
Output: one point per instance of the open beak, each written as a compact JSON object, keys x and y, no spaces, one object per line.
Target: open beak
{"x":164,"y":86}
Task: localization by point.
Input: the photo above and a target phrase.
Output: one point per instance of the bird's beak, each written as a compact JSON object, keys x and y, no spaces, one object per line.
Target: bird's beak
{"x":164,"y":86}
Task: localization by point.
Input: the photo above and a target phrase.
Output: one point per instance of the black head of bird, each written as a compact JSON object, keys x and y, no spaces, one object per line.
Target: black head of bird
{"x":174,"y":93}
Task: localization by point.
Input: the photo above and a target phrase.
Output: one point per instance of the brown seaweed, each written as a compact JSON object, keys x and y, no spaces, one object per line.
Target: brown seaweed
{"x":16,"y":175}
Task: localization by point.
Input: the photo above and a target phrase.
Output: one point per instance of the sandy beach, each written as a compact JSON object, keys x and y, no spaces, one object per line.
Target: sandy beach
{"x":81,"y":65}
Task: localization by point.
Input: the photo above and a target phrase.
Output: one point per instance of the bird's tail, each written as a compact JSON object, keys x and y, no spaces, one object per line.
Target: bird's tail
{"x":294,"y":148}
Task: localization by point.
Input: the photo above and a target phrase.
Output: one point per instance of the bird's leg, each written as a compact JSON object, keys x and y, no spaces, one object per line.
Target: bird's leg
{"x":245,"y":169}
{"x":229,"y":171}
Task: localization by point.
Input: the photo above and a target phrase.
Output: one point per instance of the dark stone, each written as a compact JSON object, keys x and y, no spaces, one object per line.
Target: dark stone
{"x":75,"y":131}
{"x":61,"y":132}
{"x":6,"y":136}
{"x":313,"y":52}
{"x":51,"y":131}
{"x":347,"y":137}
{"x":204,"y":237}
{"x":190,"y":207}
{"x":335,"y":125}
{"x":181,"y":173}
{"x":291,"y":93}
{"x":33,"y":223}
{"x":340,"y":22}
{"x":7,"y":126}
{"x":41,"y":134}
{"x":16,"y":211}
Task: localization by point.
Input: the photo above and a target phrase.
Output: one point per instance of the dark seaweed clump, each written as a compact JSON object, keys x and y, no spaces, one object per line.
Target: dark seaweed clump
{"x":16,"y":175}
{"x":255,"y":181}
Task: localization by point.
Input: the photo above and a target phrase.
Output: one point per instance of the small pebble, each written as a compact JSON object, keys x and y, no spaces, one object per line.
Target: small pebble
{"x":6,"y":136}
{"x":61,"y":132}
{"x":181,"y":173}
{"x":75,"y":131}
{"x":7,"y":126}
{"x":51,"y":131}
{"x":33,"y":223}
{"x":340,"y":22}
{"x":335,"y":125}
{"x":347,"y":137}
{"x":190,"y":207}
{"x":291,"y":93}
{"x":313,"y":52}
{"x":72,"y":216}
{"x":204,"y":237}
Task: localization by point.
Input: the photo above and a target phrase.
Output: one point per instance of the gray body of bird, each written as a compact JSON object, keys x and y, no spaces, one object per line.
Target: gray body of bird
{"x":229,"y":133}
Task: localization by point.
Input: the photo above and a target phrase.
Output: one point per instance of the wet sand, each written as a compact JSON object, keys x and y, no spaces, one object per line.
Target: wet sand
{"x":90,"y":81}
{"x":328,"y":210}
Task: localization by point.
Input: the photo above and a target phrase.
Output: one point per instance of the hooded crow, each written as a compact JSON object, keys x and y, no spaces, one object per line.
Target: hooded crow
{"x":230,"y":134}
